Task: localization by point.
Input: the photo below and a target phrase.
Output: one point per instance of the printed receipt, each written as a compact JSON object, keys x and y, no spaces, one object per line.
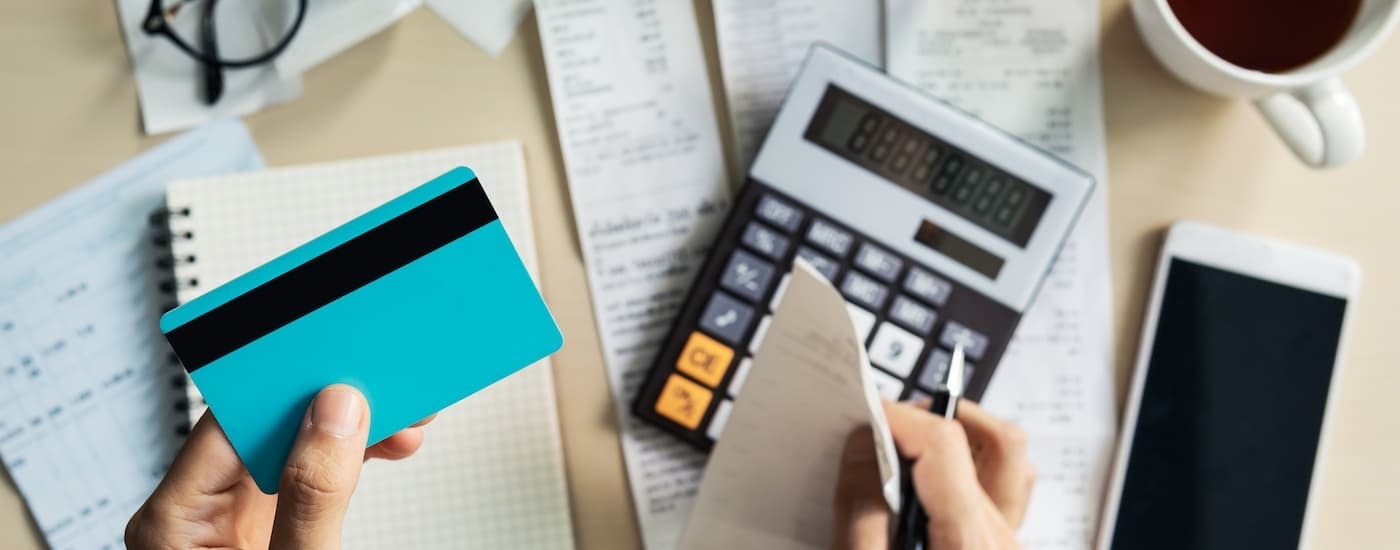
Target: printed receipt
{"x":1032,"y":68}
{"x":646,"y":174}
{"x":810,"y":388}
{"x":761,"y":48}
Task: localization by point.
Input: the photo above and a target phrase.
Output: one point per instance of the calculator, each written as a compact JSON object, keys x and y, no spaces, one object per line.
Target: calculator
{"x":936,"y":227}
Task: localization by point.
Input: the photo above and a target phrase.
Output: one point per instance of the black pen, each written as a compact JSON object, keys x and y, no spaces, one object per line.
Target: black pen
{"x":911,"y":528}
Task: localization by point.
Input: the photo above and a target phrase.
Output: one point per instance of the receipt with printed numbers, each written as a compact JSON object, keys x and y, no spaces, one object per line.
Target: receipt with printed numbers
{"x":646,"y":174}
{"x":1033,"y":68}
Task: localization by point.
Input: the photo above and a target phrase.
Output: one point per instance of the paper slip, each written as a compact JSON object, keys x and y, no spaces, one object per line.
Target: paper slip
{"x":334,"y":26}
{"x":170,"y":84}
{"x":761,"y":48}
{"x":646,"y":174}
{"x":88,"y":417}
{"x":1032,"y":68}
{"x":771,"y":479}
{"x":489,"y":24}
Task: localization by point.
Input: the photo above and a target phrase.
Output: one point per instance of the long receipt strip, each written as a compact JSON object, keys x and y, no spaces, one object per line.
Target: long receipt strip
{"x":814,"y":389}
{"x":87,"y":412}
{"x":761,"y":48}
{"x":1032,"y":68}
{"x":646,"y":174}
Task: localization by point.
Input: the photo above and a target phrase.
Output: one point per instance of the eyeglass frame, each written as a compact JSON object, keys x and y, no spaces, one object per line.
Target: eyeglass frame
{"x":157,"y":23}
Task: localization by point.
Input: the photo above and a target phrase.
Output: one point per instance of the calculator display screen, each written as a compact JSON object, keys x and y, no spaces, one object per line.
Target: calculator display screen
{"x":916,"y":160}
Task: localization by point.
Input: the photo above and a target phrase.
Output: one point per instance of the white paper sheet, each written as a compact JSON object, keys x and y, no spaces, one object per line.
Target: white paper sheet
{"x":489,"y":24}
{"x":333,"y":26}
{"x":87,"y":416}
{"x":1032,"y":68}
{"x":646,"y":174}
{"x":761,"y":48}
{"x":170,"y":84}
{"x":811,"y":387}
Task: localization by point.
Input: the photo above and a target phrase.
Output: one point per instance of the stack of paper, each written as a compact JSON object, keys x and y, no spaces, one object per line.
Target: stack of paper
{"x":170,"y":83}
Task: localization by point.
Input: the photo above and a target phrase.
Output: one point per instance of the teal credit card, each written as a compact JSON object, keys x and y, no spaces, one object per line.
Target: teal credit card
{"x":418,"y":303}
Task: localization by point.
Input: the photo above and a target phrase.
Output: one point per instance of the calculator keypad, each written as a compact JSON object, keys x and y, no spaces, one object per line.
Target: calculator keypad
{"x":909,"y":316}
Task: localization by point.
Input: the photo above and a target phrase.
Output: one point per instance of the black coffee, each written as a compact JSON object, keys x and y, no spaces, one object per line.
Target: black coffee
{"x":1267,"y":35}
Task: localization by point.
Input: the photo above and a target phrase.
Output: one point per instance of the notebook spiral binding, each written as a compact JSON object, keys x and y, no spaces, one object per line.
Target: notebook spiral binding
{"x":167,"y":236}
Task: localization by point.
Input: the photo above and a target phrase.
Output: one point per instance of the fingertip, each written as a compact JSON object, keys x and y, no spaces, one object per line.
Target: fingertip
{"x":398,"y":446}
{"x":340,"y":411}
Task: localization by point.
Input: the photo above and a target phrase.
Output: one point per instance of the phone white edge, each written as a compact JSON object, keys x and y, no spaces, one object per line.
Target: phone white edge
{"x":1268,"y":259}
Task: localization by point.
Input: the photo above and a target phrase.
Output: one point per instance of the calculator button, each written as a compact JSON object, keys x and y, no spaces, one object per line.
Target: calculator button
{"x":726,"y":318}
{"x":741,"y":373}
{"x":927,"y":286}
{"x":974,"y":343}
{"x":824,"y":265}
{"x":912,"y":315}
{"x":759,"y":333}
{"x":830,"y":238}
{"x":861,"y":319}
{"x":936,"y":369}
{"x":748,"y":276}
{"x":865,"y":291}
{"x":683,"y":401}
{"x":778,"y":294}
{"x":895,"y":349}
{"x":704,"y":359}
{"x":766,"y":241}
{"x":920,"y":396}
{"x":887,"y":386}
{"x":879,"y":263}
{"x":779,"y":213}
{"x":720,"y":418}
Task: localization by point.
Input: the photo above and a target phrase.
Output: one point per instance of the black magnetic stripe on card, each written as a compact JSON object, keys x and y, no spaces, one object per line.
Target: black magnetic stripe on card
{"x":333,"y":274}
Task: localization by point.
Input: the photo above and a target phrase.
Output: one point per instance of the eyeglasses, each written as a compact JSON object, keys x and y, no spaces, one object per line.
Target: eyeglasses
{"x":252,"y":23}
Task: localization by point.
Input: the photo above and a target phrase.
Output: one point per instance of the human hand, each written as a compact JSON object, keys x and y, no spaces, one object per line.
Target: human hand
{"x":208,"y":500}
{"x":971,"y":475}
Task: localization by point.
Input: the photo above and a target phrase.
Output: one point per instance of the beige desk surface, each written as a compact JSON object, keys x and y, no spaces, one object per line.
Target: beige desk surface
{"x":68,"y":112}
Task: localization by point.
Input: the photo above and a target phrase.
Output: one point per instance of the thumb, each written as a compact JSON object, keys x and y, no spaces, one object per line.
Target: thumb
{"x":322,"y":471}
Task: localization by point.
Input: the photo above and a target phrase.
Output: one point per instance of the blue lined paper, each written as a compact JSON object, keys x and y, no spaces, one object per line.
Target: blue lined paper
{"x":88,"y":396}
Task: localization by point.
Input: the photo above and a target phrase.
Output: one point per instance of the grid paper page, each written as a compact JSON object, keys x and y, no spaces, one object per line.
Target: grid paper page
{"x":491,"y":473}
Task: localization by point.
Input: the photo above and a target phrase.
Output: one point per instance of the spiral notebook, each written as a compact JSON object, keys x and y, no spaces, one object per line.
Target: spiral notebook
{"x":491,"y":472}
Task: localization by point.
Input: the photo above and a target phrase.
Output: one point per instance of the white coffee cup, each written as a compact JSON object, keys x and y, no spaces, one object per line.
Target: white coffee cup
{"x":1309,"y":107}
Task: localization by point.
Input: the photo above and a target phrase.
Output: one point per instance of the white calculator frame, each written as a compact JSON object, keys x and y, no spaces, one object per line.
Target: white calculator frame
{"x":788,"y":162}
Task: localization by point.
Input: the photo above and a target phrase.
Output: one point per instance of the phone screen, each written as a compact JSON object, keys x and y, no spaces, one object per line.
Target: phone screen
{"x":1230,"y":415}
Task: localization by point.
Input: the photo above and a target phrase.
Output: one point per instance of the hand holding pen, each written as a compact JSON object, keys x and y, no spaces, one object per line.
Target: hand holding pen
{"x":971,"y":477}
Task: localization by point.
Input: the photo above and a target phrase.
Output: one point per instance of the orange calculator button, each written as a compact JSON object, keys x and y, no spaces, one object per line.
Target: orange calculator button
{"x":705,"y":359}
{"x":683,"y":401}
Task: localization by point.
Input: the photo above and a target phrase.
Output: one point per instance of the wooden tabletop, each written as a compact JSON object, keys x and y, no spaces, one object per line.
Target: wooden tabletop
{"x":68,"y":112}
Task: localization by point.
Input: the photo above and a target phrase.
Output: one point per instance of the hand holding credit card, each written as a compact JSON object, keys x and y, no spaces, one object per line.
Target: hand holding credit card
{"x":418,"y":303}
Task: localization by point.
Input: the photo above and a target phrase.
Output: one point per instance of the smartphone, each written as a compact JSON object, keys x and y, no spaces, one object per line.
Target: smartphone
{"x":1230,"y":394}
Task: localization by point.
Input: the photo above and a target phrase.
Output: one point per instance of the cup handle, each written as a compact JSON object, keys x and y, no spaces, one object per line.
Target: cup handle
{"x":1321,"y":122}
